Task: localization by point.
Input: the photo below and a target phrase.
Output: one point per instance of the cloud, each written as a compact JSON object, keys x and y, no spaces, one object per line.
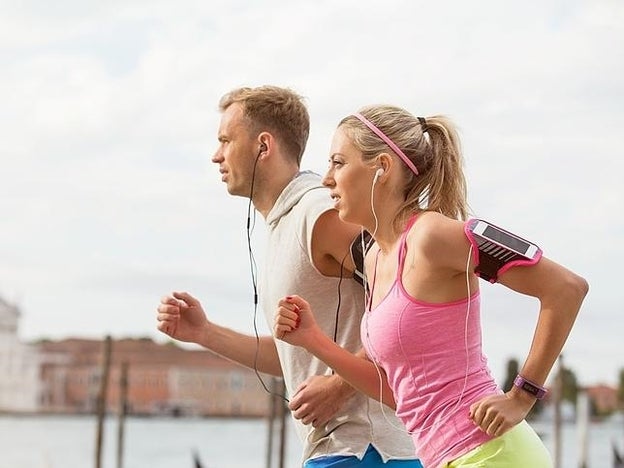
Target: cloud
{"x":109,"y":119}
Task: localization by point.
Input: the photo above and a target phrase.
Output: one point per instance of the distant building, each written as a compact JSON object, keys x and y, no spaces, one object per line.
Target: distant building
{"x":64,"y":377}
{"x":603,"y":397}
{"x":19,"y":365}
{"x":162,"y":379}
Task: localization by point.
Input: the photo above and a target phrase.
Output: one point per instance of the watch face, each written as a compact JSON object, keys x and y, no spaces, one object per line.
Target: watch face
{"x":529,"y":388}
{"x":535,"y":390}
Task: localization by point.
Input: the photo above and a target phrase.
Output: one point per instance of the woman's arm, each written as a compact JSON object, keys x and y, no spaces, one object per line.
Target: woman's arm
{"x":560,"y":293}
{"x":295,"y":324}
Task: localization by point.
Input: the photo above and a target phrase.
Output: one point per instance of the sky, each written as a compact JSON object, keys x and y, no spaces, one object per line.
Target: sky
{"x":108,"y":121}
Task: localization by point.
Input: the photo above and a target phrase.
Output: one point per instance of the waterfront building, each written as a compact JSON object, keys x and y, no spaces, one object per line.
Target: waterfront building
{"x":19,"y":365}
{"x":64,"y":376}
{"x":604,"y":398}
{"x":162,"y":379}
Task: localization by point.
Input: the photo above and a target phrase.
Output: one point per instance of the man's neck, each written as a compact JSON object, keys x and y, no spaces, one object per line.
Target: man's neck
{"x":264,"y":199}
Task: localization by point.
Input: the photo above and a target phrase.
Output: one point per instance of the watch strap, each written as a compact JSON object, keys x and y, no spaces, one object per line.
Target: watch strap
{"x":537,"y":391}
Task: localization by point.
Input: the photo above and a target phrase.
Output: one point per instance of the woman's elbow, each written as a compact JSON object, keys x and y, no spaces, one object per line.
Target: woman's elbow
{"x":575,"y":288}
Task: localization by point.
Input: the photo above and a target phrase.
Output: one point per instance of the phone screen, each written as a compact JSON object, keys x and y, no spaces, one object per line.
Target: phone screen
{"x":506,"y":239}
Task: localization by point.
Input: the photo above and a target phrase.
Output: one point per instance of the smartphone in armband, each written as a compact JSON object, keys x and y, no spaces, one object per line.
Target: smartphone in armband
{"x":496,"y":250}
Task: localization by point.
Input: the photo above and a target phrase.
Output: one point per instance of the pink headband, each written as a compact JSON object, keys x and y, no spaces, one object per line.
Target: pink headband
{"x":388,"y":141}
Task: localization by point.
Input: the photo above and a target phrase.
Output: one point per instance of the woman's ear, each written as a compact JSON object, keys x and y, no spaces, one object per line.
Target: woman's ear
{"x":384,"y":163}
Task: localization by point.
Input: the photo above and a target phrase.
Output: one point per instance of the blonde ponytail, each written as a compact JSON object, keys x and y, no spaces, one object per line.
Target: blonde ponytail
{"x":431,"y":144}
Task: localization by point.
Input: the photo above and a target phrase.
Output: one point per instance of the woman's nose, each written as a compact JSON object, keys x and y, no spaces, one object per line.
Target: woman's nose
{"x":328,"y":180}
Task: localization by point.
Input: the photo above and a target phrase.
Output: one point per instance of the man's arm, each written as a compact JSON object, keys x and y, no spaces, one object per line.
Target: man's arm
{"x":318,"y":398}
{"x":182,"y":317}
{"x":257,"y":353}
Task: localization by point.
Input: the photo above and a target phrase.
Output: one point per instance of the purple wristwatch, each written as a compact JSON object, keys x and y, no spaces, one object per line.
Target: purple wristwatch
{"x":530,"y":387}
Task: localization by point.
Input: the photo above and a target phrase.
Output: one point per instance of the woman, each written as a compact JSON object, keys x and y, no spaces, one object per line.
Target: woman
{"x":401,"y":179}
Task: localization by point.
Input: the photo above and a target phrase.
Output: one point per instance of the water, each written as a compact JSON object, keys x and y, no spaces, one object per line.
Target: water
{"x":69,"y":442}
{"x":601,"y":436}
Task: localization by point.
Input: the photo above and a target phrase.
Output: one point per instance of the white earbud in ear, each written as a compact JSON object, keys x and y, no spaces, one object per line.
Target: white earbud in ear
{"x":378,"y":174}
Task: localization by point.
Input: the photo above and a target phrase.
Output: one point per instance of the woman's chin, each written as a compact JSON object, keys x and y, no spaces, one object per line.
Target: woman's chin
{"x":345,"y":216}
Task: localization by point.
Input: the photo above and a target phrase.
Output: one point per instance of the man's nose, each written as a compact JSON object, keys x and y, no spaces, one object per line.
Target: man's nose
{"x":217,"y":157}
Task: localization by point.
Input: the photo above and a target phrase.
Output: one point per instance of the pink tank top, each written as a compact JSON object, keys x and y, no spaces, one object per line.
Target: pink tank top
{"x":432,"y":356}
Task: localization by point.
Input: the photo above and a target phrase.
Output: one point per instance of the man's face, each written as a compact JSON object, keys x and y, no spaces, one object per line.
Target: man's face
{"x":236,"y":152}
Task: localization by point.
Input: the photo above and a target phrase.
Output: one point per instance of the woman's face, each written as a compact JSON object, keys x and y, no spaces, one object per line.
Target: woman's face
{"x":349,"y":180}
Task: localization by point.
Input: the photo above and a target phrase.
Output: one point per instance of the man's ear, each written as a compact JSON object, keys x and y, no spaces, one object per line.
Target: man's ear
{"x":265,"y":141}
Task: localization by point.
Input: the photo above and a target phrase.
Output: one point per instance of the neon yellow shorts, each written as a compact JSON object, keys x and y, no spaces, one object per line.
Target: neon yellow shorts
{"x":520,"y":447}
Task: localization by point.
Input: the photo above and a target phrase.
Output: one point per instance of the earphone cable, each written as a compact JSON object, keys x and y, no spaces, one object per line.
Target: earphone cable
{"x":254,"y":282}
{"x":369,"y":299}
{"x":461,"y":395}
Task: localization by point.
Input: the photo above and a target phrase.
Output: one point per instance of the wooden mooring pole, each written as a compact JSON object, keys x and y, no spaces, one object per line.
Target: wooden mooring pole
{"x":101,"y":401}
{"x":270,"y":425}
{"x":582,"y":426}
{"x":276,"y":417}
{"x":123,"y":406}
{"x":281,"y":415}
{"x":557,"y":397}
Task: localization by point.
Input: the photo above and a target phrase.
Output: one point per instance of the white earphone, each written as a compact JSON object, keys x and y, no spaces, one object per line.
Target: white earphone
{"x":378,"y":174}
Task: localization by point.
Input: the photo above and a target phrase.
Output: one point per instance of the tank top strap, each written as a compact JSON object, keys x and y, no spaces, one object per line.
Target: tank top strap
{"x":403,"y":245}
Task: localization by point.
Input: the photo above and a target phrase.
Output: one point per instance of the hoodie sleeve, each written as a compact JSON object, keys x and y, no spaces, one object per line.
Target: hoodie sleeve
{"x":313,"y":205}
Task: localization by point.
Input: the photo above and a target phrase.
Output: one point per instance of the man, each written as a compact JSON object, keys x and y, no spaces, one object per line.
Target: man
{"x":262,"y":137}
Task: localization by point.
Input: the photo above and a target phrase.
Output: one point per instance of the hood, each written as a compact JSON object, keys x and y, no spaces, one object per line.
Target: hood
{"x":303,"y":182}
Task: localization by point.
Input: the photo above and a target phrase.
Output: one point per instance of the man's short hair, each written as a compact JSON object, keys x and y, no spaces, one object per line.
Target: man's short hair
{"x":279,"y":111}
